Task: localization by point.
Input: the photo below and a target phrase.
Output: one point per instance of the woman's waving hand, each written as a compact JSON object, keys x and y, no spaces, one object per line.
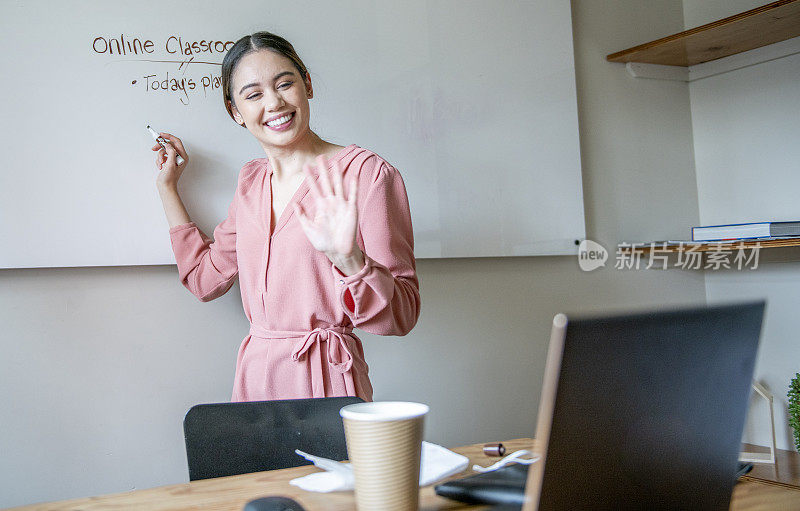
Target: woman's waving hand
{"x":333,"y":229}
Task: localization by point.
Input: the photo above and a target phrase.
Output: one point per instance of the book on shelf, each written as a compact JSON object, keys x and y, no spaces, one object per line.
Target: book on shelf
{"x":746,"y":231}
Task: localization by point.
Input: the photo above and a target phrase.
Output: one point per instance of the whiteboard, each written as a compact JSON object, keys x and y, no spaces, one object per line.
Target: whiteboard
{"x":474,"y":102}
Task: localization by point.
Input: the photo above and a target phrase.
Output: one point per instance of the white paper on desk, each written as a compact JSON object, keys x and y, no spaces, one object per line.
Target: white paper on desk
{"x":436,"y":463}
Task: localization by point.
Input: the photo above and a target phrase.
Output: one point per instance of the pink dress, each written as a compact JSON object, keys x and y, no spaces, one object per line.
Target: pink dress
{"x":301,"y":341}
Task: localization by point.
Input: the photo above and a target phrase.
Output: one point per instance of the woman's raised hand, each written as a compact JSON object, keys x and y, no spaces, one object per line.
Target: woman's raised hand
{"x":333,"y":228}
{"x":166,"y":160}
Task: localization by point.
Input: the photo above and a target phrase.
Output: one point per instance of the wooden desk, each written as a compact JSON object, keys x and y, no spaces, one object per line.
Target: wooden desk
{"x":232,"y":493}
{"x":785,"y":471}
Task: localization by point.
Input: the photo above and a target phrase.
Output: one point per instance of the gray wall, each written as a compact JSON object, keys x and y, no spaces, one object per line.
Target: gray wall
{"x":100,"y":364}
{"x":746,"y":128}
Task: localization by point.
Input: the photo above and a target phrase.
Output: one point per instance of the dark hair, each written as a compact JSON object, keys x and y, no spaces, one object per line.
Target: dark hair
{"x":248,"y":44}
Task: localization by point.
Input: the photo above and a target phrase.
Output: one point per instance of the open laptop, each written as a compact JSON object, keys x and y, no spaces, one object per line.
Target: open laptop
{"x":644,"y":411}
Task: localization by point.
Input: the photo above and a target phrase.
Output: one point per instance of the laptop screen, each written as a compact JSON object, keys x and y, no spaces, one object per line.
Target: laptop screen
{"x":645,"y":411}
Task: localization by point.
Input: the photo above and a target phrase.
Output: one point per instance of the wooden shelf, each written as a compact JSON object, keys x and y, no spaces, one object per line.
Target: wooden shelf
{"x":712,"y":246}
{"x":768,"y":24}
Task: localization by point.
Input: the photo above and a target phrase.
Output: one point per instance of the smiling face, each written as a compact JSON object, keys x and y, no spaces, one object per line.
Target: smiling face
{"x":271,"y":99}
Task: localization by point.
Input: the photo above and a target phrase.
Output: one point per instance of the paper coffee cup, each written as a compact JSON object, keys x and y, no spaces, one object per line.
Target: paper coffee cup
{"x":384,"y":439}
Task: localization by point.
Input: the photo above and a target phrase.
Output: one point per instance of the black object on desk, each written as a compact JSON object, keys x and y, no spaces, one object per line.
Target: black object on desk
{"x":505,"y":485}
{"x":273,"y":504}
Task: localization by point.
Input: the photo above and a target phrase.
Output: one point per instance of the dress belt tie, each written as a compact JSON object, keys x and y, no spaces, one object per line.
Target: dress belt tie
{"x":339,"y":355}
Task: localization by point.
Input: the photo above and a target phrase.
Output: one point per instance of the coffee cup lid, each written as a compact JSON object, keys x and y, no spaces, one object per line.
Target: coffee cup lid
{"x":384,"y":411}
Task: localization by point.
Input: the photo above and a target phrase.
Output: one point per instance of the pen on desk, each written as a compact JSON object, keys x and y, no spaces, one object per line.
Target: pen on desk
{"x":494,"y":449}
{"x":158,"y":138}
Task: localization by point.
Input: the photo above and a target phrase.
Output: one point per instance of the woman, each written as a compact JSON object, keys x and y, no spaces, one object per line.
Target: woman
{"x":314,"y":258}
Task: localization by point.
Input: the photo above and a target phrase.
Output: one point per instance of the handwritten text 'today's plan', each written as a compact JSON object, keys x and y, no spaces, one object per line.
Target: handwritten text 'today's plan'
{"x":172,"y":61}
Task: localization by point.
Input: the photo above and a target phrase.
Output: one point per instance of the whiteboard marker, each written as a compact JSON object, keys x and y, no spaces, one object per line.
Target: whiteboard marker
{"x":158,"y":138}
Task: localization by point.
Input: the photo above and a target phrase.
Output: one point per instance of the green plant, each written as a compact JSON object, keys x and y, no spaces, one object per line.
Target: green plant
{"x":794,"y":408}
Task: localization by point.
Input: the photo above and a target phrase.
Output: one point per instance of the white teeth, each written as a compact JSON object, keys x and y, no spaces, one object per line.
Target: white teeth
{"x":281,"y":120}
